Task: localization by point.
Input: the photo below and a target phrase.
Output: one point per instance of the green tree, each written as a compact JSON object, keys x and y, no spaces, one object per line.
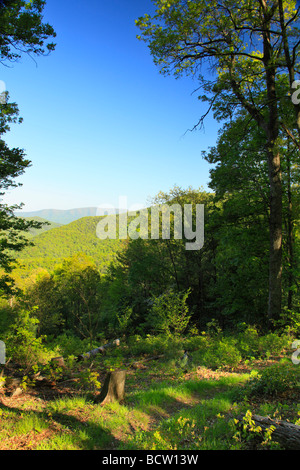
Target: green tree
{"x":68,"y":299}
{"x":78,"y":283}
{"x":43,"y":295}
{"x":13,"y":230}
{"x":244,"y":44}
{"x":23,"y":30}
{"x":169,"y":313}
{"x":148,"y":268}
{"x":239,"y":179}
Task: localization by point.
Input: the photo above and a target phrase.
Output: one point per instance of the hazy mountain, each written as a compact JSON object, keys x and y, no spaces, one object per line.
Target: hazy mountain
{"x":66,"y":216}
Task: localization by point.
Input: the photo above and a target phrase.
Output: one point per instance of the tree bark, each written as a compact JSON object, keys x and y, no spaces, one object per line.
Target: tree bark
{"x":270,"y":126}
{"x":113,"y":388}
{"x":290,"y":234}
{"x":274,"y":167}
{"x":275,"y":233}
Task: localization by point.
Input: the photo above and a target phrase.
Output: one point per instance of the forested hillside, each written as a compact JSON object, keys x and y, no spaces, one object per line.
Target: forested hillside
{"x":52,"y":246}
{"x":47,"y":225}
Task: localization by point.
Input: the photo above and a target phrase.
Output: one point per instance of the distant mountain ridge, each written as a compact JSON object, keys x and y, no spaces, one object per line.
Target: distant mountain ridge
{"x":67,"y":216}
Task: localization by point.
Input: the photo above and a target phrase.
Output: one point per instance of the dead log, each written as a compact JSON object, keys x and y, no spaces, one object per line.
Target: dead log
{"x":113,"y":388}
{"x":140,"y":364}
{"x":285,"y":433}
{"x":101,"y":350}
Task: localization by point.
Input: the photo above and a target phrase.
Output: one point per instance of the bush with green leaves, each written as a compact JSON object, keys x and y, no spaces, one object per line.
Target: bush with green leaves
{"x":170,"y":313}
{"x":251,"y":344}
{"x":222,"y":353}
{"x":248,"y":341}
{"x":23,"y":344}
{"x":248,"y":432}
{"x":69,"y":344}
{"x":274,"y":380}
{"x":273,"y":344}
{"x":153,"y":345}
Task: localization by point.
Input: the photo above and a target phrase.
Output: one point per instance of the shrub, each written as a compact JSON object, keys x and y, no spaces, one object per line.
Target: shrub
{"x":252,"y":345}
{"x":250,"y":433}
{"x":155,"y":345}
{"x":273,"y":344}
{"x":169,"y":313}
{"x":71,"y":345}
{"x":222,"y":353}
{"x":248,"y":341}
{"x":22,"y":343}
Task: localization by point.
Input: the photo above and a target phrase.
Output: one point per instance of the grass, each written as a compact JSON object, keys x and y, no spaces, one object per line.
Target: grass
{"x":165,"y":408}
{"x":181,"y":415}
{"x":160,"y":416}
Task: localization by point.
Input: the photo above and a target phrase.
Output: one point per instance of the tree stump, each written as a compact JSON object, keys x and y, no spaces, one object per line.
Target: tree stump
{"x":113,"y":388}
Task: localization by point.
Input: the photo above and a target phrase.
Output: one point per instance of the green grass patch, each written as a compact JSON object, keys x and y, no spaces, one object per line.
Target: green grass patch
{"x":168,"y":405}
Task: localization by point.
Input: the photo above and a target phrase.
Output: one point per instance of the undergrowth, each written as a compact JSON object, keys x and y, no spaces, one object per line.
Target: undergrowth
{"x":181,"y":393}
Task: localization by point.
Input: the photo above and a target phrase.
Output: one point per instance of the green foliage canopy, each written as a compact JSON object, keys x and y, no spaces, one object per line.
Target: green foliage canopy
{"x":23,"y":30}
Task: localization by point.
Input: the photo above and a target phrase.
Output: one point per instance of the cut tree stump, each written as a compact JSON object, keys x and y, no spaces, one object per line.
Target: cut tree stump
{"x":113,"y":388}
{"x":285,"y":433}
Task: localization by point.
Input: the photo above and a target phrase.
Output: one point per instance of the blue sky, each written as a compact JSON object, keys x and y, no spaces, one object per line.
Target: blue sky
{"x":100,"y":121}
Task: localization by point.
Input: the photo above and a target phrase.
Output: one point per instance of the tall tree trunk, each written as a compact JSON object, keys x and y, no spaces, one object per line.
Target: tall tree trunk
{"x":274,"y":167}
{"x":270,"y":125}
{"x":275,"y":229}
{"x":290,"y":64}
{"x":290,"y":236}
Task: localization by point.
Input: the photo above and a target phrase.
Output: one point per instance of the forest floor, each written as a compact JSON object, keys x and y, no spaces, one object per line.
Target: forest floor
{"x":165,"y":408}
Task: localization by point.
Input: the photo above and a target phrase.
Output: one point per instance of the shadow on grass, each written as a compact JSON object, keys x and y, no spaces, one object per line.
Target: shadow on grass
{"x":118,"y":426}
{"x":185,"y":415}
{"x":67,"y":432}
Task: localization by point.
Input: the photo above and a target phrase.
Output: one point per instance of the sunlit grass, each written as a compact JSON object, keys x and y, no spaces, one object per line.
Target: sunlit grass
{"x":30,"y":422}
{"x":64,"y":405}
{"x":199,"y":423}
{"x":178,"y":412}
{"x":184,"y":415}
{"x":60,"y":442}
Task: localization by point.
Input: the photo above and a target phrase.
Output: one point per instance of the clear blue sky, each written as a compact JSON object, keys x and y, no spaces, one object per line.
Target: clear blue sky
{"x":100,"y":122}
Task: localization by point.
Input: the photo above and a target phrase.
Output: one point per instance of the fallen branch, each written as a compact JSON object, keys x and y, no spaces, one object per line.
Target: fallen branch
{"x":141,"y":361}
{"x":101,"y":350}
